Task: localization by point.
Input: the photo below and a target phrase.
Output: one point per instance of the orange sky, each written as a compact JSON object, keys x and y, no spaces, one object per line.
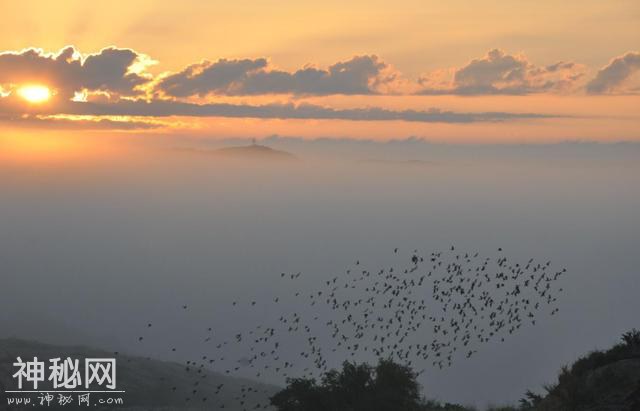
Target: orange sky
{"x":419,"y":42}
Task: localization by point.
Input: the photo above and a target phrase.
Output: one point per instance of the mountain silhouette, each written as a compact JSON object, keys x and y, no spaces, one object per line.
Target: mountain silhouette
{"x":254,"y":152}
{"x":149,"y":383}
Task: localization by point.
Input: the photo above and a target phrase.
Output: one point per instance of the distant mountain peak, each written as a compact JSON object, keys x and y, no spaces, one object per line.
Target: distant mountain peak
{"x":254,"y":151}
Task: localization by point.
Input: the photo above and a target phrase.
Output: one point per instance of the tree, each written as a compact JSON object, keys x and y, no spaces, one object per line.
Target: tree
{"x":531,"y":400}
{"x":631,"y":338}
{"x":387,"y":387}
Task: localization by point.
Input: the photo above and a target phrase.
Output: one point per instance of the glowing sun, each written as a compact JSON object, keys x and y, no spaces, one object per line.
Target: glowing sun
{"x":35,"y":93}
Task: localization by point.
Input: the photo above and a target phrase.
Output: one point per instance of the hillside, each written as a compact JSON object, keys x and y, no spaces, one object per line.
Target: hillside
{"x":149,"y":384}
{"x":600,"y":381}
{"x":253,"y":152}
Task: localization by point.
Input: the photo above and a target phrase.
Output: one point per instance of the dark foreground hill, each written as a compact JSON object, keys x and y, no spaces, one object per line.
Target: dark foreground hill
{"x":600,"y":381}
{"x":149,"y":384}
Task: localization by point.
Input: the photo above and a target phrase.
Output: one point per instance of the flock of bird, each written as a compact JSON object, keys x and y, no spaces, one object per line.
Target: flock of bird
{"x":435,"y":308}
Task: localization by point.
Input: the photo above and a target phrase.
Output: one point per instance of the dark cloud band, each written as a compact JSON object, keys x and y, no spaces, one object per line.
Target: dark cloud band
{"x":165,"y":108}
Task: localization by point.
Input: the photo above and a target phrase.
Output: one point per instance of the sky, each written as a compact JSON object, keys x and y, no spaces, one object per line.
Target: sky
{"x":489,"y":71}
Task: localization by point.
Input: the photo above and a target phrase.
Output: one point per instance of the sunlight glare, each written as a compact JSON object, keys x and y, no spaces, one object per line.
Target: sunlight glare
{"x":35,"y":93}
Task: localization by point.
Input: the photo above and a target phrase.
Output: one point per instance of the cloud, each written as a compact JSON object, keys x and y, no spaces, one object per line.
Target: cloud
{"x":114,"y":83}
{"x":165,"y":108}
{"x":111,"y":70}
{"x":114,"y":73}
{"x":205,"y":78}
{"x":61,"y":123}
{"x":501,"y":73}
{"x":359,"y":75}
{"x":616,"y":75}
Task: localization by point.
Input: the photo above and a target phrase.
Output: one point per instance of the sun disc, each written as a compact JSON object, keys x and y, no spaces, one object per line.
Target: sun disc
{"x":35,"y":93}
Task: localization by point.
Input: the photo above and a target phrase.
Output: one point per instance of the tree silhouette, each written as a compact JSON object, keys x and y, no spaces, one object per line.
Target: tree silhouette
{"x":387,"y":387}
{"x":632,"y":338}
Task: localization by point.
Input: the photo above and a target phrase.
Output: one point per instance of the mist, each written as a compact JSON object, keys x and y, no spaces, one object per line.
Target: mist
{"x":91,"y":252}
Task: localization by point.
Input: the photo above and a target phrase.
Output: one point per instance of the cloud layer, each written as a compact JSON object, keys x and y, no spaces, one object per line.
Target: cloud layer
{"x":55,"y":122}
{"x":114,"y":82}
{"x":166,"y":108}
{"x":502,"y":73}
{"x":614,"y":77}
{"x":109,"y":70}
{"x":120,"y":72}
{"x":360,"y":75}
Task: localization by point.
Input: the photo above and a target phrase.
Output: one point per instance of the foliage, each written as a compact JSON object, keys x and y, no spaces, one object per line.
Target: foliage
{"x":632,"y":338}
{"x":572,"y":392}
{"x":359,"y":387}
{"x":393,"y":387}
{"x":531,"y":400}
{"x":432,"y":405}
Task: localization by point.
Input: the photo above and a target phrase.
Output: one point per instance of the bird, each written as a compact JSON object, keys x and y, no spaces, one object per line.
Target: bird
{"x":429,"y":311}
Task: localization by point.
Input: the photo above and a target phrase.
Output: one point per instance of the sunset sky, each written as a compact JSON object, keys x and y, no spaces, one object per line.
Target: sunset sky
{"x":484,"y":71}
